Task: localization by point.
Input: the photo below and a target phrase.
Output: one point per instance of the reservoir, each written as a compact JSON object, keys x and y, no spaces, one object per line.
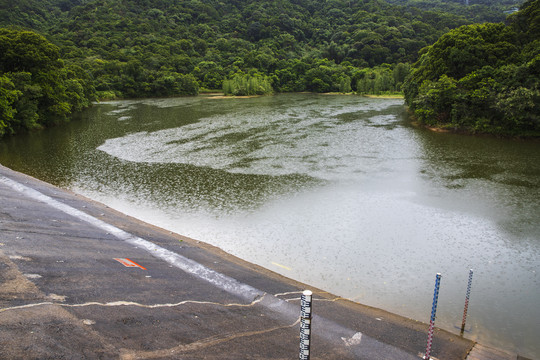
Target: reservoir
{"x":339,"y":192}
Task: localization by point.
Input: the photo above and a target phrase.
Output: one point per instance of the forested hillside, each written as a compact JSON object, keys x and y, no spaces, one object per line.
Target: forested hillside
{"x":478,"y":11}
{"x":166,"y":47}
{"x":150,"y":48}
{"x":482,"y":77}
{"x":36,"y":88}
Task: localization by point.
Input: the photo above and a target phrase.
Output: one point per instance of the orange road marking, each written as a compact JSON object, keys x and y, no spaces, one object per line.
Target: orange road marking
{"x":129,"y":263}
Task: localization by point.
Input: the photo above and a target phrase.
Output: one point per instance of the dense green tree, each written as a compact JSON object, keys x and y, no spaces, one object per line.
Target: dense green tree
{"x":128,"y":44}
{"x":380,"y":79}
{"x":245,"y":85}
{"x":8,"y":96}
{"x":134,"y":48}
{"x":478,"y":11}
{"x":27,"y":104}
{"x":26,"y":51}
{"x":527,"y":23}
{"x":481,"y":78}
{"x":36,"y":88}
{"x":469,"y":48}
{"x":399,"y":73}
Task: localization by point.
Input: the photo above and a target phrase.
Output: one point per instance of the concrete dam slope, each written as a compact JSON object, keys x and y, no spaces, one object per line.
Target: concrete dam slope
{"x":82,"y":281}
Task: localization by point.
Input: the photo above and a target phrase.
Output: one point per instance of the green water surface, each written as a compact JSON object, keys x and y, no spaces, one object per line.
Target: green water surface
{"x":339,"y":192}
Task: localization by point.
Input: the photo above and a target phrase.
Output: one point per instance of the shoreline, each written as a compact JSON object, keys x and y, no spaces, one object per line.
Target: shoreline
{"x":463,"y":132}
{"x":393,"y":335}
{"x":126,"y":222}
{"x":349,"y":100}
{"x":388,"y":96}
{"x":221,"y":95}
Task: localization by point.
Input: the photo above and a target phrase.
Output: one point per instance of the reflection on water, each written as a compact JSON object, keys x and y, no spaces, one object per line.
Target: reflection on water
{"x":273,"y":140}
{"x":335,"y":191}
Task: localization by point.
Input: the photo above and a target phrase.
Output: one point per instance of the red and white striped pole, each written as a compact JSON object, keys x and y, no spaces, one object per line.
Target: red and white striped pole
{"x":466,"y":302}
{"x":433,"y":313}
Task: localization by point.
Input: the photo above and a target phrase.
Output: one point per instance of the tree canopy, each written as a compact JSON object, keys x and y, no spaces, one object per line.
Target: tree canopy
{"x":134,"y":48}
{"x":482,"y":77}
{"x":36,"y":89}
{"x":478,"y":11}
{"x":147,"y":48}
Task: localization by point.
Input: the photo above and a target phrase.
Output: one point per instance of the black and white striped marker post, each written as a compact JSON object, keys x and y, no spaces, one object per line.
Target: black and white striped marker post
{"x":305,"y":324}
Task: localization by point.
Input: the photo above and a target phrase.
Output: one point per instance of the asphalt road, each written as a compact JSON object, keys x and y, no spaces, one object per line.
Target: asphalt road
{"x":66,"y":293}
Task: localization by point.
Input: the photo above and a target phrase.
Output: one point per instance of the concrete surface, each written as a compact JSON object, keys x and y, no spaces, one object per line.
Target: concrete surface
{"x":64,"y":296}
{"x":481,"y":352}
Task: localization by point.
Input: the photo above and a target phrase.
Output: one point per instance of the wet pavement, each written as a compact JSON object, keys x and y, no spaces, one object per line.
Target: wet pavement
{"x":80,"y":280}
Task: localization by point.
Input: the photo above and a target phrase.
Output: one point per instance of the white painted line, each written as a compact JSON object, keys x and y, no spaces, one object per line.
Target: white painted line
{"x":217,"y":279}
{"x":368,"y":348}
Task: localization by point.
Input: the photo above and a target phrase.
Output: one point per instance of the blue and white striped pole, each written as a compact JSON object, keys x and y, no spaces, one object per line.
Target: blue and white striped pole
{"x":433,"y":313}
{"x":466,"y":302}
{"x":305,"y":324}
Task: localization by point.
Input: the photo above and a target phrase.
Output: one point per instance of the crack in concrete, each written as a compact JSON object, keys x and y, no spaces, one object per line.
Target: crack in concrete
{"x":131,"y":303}
{"x":126,"y":354}
{"x":317,"y":299}
{"x":288,"y":293}
{"x":314,"y":299}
